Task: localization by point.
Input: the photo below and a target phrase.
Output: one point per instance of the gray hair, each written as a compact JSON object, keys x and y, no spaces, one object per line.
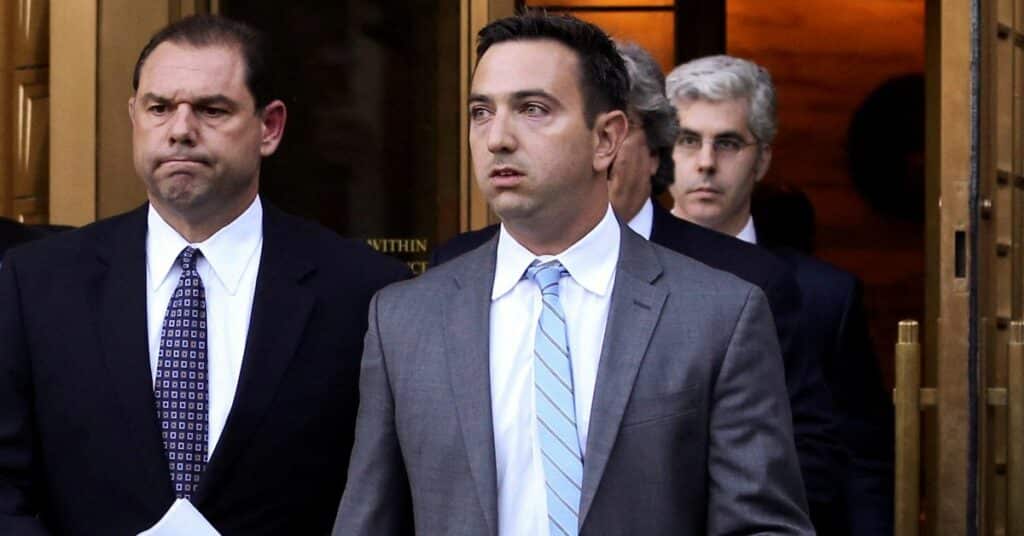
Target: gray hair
{"x":717,"y":78}
{"x":657,"y":115}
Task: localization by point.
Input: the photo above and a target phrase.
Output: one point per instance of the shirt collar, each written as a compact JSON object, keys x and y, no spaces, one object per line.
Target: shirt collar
{"x":643,"y":222}
{"x":590,"y":261}
{"x":228,"y":252}
{"x":748,"y":233}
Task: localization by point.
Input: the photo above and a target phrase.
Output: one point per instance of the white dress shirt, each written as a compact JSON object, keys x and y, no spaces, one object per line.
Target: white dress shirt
{"x":515,"y":310}
{"x":228,"y":267}
{"x":747,"y":233}
{"x":643,"y":221}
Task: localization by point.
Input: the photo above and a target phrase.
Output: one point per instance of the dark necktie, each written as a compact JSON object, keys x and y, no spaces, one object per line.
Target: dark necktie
{"x":181,"y":379}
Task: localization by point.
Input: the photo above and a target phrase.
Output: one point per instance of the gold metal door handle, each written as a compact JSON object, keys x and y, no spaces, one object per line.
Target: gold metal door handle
{"x":1015,"y":429}
{"x":907,"y":398}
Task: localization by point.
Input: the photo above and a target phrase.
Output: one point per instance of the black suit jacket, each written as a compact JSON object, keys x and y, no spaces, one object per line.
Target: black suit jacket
{"x":821,"y":458}
{"x":833,"y":305}
{"x":13,"y":233}
{"x":80,"y":448}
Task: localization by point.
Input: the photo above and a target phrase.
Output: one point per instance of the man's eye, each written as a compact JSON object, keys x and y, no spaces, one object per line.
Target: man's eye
{"x":534,"y":110}
{"x":209,"y":111}
{"x":728,"y":145}
{"x":158,"y":109}
{"x":690,"y":142}
{"x":478,"y":112}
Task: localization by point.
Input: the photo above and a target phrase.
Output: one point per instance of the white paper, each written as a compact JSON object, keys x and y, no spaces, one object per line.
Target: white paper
{"x":182,"y":519}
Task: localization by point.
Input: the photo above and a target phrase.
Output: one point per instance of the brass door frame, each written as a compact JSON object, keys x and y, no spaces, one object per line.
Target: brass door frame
{"x":73,"y":107}
{"x":473,"y":210}
{"x":975,"y":169}
{"x":92,"y":53}
{"x":951,"y":171}
{"x":24,"y":109}
{"x":1000,"y":209}
{"x":7,"y":25}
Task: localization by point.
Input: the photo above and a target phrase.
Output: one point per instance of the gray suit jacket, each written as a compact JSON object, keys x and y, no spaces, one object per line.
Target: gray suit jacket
{"x":690,"y":428}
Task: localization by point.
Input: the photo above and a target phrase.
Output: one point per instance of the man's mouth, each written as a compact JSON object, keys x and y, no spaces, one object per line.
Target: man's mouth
{"x":505,"y":172}
{"x":506,"y":176}
{"x":183,"y":161}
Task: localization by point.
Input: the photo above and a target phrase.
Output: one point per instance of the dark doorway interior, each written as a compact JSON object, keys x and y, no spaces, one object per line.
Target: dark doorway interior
{"x":372,"y":89}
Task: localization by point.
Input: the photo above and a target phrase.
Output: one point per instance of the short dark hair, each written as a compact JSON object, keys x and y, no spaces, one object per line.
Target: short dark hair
{"x":211,"y":30}
{"x":603,"y":79}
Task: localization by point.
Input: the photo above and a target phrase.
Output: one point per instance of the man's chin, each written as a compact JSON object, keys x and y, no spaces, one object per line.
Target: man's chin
{"x":703,"y":214}
{"x":509,"y":207}
{"x":181,"y":200}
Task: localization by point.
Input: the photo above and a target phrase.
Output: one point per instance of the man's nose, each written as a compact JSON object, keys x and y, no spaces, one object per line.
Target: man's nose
{"x":706,"y":158}
{"x":182,"y":128}
{"x":500,"y":135}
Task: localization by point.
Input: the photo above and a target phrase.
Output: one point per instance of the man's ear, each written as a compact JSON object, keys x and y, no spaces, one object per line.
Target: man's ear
{"x":610,"y":129}
{"x":273,"y":118}
{"x":131,"y":110}
{"x":764,"y":161}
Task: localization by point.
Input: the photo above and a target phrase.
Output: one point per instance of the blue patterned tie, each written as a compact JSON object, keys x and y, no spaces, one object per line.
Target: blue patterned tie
{"x":556,"y":408}
{"x":181,"y":386}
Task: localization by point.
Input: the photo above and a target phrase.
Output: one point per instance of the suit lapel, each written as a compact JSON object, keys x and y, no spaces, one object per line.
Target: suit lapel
{"x":657,"y":222}
{"x":280,"y":310}
{"x":671,"y":232}
{"x":635,"y":307}
{"x":467,"y":336}
{"x":124,"y":337}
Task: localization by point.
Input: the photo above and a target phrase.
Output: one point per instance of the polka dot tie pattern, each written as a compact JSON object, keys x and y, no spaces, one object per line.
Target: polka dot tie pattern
{"x":181,"y":381}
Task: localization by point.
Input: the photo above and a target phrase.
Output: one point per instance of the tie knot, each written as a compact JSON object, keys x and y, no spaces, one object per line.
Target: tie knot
{"x":546,"y":275}
{"x":188,"y":257}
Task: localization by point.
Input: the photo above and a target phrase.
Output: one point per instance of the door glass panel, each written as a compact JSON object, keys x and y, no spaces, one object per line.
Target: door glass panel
{"x":371,"y":145}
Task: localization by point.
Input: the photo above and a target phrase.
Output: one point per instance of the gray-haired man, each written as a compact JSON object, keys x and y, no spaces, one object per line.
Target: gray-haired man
{"x":727,"y":114}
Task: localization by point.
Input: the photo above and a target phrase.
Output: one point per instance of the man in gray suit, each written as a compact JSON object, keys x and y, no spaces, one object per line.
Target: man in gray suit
{"x":567,"y":377}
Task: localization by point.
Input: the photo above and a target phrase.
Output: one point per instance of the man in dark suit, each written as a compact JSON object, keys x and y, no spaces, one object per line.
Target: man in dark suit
{"x":644,"y":166}
{"x":726,"y":110}
{"x":13,"y":233}
{"x":833,"y":301}
{"x":568,"y":377}
{"x":190,"y":366}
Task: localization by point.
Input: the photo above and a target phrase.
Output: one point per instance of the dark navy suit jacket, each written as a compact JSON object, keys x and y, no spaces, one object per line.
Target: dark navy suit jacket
{"x":80,"y":446}
{"x":821,"y":457}
{"x":13,"y":233}
{"x":832,"y":305}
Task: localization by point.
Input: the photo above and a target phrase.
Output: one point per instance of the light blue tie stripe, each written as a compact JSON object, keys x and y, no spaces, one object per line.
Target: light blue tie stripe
{"x":555,"y":405}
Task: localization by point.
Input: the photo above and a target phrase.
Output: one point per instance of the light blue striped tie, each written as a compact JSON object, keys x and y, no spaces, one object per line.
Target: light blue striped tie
{"x":556,"y":408}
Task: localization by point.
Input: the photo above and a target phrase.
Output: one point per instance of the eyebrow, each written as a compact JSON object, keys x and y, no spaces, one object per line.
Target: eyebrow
{"x":203,"y":100}
{"x":727,"y":134}
{"x":517,"y":96}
